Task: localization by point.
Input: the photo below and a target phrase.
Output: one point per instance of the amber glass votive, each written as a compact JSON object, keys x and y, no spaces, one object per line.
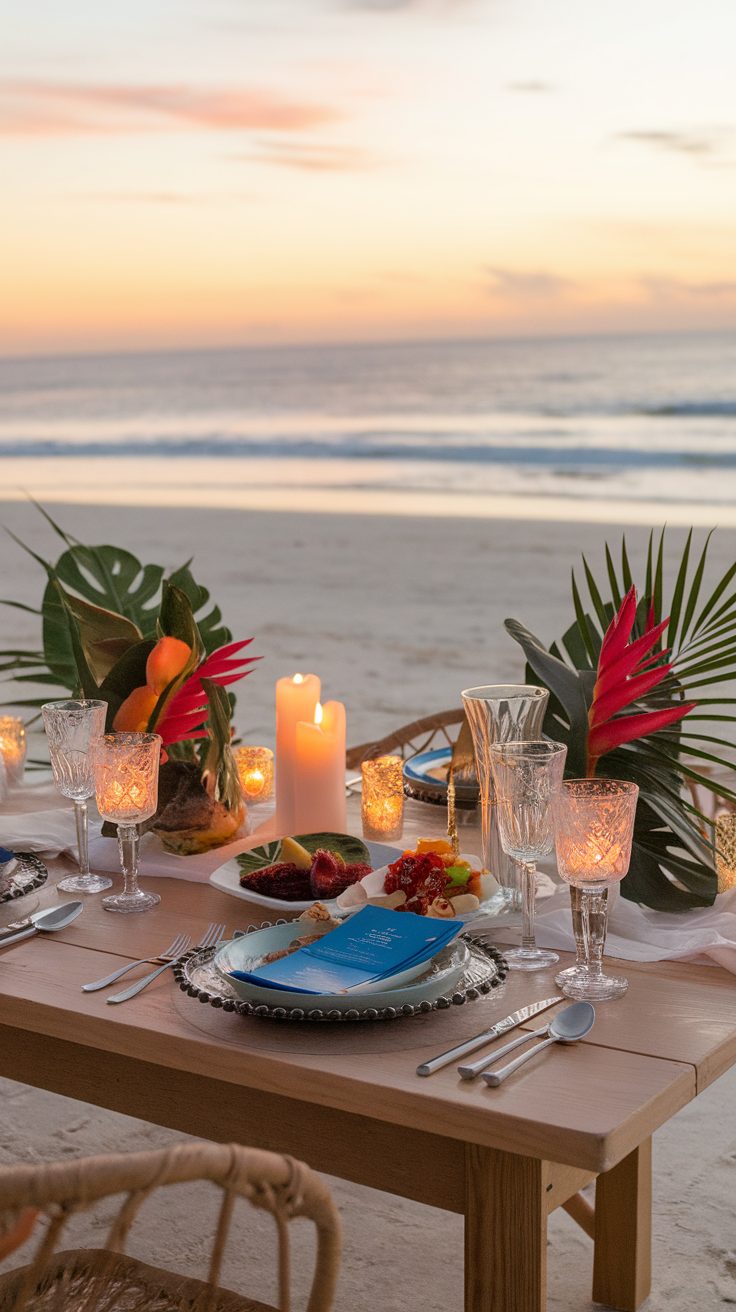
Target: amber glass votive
{"x":255,"y":772}
{"x":726,"y":850}
{"x":382,"y":806}
{"x":13,"y":747}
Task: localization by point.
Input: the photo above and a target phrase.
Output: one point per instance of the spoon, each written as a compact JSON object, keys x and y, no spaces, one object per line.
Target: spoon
{"x":569,"y":1026}
{"x":47,"y":921}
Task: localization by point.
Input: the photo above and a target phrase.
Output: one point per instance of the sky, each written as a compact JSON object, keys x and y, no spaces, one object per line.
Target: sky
{"x":204,"y":172}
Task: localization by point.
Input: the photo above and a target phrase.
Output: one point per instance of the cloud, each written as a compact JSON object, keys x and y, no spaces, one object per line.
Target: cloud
{"x":533,"y":283}
{"x":701,"y":143}
{"x":311,"y":157}
{"x":660,"y":287}
{"x":533,"y":87}
{"x":37,"y":107}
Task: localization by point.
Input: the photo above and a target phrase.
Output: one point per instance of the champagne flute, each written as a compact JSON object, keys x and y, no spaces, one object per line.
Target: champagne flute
{"x":73,"y":728}
{"x":126,"y":788}
{"x":594,"y":830}
{"x":527,"y":777}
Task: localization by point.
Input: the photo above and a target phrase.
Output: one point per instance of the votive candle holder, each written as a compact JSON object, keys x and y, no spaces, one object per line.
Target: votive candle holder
{"x":725,"y":838}
{"x":13,"y":747}
{"x":382,"y":804}
{"x":255,"y":772}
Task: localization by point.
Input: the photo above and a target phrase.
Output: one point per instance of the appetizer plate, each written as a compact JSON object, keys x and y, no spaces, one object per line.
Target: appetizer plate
{"x":374,"y":887}
{"x":227,"y":876}
{"x":427,"y":981}
{"x":425,"y":777}
{"x":28,"y":874}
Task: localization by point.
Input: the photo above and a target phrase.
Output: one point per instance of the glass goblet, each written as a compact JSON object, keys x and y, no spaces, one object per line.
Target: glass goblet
{"x":13,"y":747}
{"x":73,"y":728}
{"x":527,"y":777}
{"x":594,"y":830}
{"x":126,"y":788}
{"x":500,"y":713}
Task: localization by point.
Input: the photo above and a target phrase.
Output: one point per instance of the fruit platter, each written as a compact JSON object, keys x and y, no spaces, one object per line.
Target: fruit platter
{"x":291,"y":873}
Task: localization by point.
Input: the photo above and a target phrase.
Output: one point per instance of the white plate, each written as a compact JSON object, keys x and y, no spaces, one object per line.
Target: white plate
{"x":374,"y":885}
{"x":439,"y":977}
{"x":227,"y":879}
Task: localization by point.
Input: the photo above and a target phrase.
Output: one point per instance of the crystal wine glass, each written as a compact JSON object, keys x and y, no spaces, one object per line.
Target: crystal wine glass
{"x":594,"y":830}
{"x":527,"y":777}
{"x":500,"y":713}
{"x":73,"y":728}
{"x":126,"y":788}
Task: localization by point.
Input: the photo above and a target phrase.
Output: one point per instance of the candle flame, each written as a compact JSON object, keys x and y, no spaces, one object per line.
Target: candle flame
{"x":318,"y":713}
{"x":298,"y":678}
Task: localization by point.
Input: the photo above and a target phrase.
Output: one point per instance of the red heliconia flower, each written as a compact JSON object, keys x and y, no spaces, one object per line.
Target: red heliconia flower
{"x":626,"y":674}
{"x":188,"y":710}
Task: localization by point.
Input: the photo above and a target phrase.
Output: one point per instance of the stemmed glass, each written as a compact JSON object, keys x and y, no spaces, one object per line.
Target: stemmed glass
{"x":73,"y":728}
{"x":126,"y":788}
{"x":594,"y":830}
{"x":500,"y":713}
{"x":527,"y":778}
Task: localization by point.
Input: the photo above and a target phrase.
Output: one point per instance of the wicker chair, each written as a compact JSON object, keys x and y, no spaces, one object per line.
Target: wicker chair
{"x":106,"y":1280}
{"x":418,"y":736}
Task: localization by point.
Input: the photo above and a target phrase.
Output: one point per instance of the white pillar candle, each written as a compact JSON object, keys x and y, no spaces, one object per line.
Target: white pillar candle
{"x":296,"y":699}
{"x":320,"y":771}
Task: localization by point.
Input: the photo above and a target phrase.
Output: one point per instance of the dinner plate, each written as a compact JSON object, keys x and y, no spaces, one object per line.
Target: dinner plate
{"x":423,"y":983}
{"x":227,"y":876}
{"x":425,"y":777}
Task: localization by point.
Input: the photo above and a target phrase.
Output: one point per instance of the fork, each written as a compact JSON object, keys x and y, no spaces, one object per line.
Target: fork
{"x":174,"y":950}
{"x":211,"y":937}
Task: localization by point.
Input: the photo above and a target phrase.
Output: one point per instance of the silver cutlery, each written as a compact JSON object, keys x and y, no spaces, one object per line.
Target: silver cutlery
{"x":569,"y":1026}
{"x":172,"y":953}
{"x":46,"y":922}
{"x":212,"y":936}
{"x":486,"y":1036}
{"x":469,"y":1070}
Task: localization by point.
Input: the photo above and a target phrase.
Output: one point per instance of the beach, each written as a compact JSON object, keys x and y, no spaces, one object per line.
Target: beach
{"x":397,"y":614}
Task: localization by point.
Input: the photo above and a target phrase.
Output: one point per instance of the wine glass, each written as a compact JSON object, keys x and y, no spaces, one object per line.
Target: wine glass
{"x":594,"y":830}
{"x":527,"y":777}
{"x":126,"y":788}
{"x":500,"y":713}
{"x":73,"y":728}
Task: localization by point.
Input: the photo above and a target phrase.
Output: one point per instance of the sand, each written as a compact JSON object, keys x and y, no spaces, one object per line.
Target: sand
{"x":397,"y":615}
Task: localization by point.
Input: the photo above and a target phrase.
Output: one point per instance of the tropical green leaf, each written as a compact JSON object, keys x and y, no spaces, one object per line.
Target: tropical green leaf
{"x":677,"y":596}
{"x":127,"y":674}
{"x":219,"y":773}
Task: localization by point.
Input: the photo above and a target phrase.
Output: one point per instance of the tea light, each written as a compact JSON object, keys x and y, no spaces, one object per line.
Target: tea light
{"x":13,"y":747}
{"x":726,"y":851}
{"x":320,"y":802}
{"x":296,"y":699}
{"x":255,"y":772}
{"x":382,"y":806}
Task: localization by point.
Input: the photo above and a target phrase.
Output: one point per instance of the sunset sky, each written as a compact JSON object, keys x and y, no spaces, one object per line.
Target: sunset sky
{"x":185,"y":172}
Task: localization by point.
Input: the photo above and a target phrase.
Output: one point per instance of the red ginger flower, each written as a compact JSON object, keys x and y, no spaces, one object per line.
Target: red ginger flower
{"x":187,"y":712}
{"x":623,"y":678}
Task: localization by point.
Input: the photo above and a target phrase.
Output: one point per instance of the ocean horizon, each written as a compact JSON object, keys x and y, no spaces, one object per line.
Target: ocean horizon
{"x":567,"y":424}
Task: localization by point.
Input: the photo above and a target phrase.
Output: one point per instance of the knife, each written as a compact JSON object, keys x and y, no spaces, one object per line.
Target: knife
{"x":487,"y":1036}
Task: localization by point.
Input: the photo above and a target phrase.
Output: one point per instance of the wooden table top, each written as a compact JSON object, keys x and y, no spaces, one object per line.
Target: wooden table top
{"x":587,"y":1106}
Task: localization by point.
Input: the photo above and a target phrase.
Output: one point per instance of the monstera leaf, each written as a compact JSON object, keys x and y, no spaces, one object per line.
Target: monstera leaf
{"x":98,"y":603}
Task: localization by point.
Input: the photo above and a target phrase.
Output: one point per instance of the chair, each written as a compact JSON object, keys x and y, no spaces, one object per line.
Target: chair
{"x":106,"y":1280}
{"x":410,"y":739}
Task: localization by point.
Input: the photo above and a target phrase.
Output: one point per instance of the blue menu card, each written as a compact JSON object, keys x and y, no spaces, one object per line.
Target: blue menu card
{"x":375,"y":944}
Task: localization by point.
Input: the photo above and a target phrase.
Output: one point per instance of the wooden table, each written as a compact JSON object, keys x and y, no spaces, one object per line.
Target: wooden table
{"x":347,"y":1100}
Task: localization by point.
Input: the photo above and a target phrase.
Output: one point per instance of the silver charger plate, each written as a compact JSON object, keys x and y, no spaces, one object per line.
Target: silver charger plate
{"x":29,"y":874}
{"x":198,"y":978}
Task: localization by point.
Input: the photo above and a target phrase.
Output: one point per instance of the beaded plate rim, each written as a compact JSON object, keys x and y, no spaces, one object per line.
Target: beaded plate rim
{"x":38,"y":874}
{"x":497,"y":972}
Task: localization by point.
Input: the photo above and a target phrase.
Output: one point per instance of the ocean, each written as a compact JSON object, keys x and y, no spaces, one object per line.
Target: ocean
{"x":645,"y":425}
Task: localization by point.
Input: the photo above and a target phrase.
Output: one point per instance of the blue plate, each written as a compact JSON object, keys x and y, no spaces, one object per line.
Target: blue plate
{"x":425,"y":777}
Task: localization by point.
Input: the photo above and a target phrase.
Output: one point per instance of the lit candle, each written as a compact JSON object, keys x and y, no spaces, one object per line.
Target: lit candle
{"x":382,"y":803}
{"x":296,"y":699}
{"x":13,"y":747}
{"x":255,"y":772}
{"x":320,"y":771}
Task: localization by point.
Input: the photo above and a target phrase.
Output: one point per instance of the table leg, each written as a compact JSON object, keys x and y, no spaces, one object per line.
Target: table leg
{"x":505,"y":1232}
{"x":622,"y":1274}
